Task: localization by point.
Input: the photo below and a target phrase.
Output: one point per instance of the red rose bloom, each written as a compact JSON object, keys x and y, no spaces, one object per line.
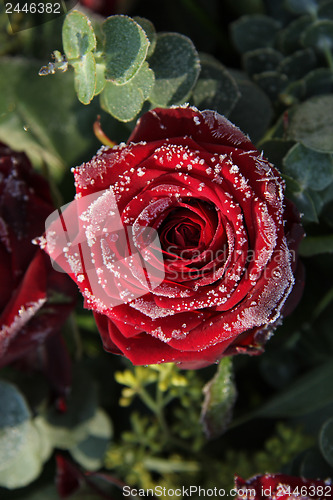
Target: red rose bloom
{"x":227,"y":235}
{"x":34,"y":299}
{"x":282,"y":487}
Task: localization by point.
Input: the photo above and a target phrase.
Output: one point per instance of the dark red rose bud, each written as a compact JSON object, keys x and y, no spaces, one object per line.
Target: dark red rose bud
{"x":35,"y":300}
{"x":181,"y":241}
{"x":282,"y":487}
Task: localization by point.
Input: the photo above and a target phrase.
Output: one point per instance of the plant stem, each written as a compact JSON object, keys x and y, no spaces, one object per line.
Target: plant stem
{"x":148,"y":400}
{"x":328,"y":56}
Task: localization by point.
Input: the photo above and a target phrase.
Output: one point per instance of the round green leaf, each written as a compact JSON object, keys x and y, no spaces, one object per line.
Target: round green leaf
{"x":290,"y":36}
{"x":124,"y":102}
{"x":176,"y":65}
{"x":85,"y":78}
{"x":215,"y":88}
{"x":14,"y":422}
{"x":260,"y":60}
{"x":14,"y":410}
{"x":100,"y":78}
{"x":314,"y":245}
{"x":78,"y":36}
{"x":326,"y":441}
{"x":253,"y":111}
{"x":302,"y":199}
{"x":313,"y":465}
{"x":90,"y":452}
{"x":150,"y":31}
{"x":319,"y":35}
{"x":301,"y":6}
{"x":298,"y":64}
{"x":319,"y":81}
{"x":81,"y":405}
{"x":23,"y":448}
{"x":65,"y":430}
{"x":325,"y":10}
{"x":125,"y":49}
{"x":253,"y":32}
{"x":309,"y":168}
{"x":26,"y":465}
{"x":312,"y":123}
{"x":272,"y":83}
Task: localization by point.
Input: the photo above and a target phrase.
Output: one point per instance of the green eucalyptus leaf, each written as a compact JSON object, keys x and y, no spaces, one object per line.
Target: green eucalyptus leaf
{"x":81,"y":405}
{"x":100,"y":78}
{"x":272,"y":83}
{"x":44,"y":119}
{"x":327,"y":194}
{"x":317,"y":198}
{"x":14,"y":422}
{"x":90,"y":452}
{"x":326,"y":440}
{"x":215,"y":88}
{"x":125,"y":49}
{"x":312,"y":123}
{"x":14,"y":410}
{"x":260,"y":60}
{"x":150,"y":31}
{"x":66,"y":430}
{"x":302,"y":6}
{"x":124,"y":102}
{"x":298,"y":64}
{"x":254,"y":32}
{"x":176,"y":65}
{"x":78,"y":36}
{"x":318,"y":81}
{"x":290,"y":36}
{"x":314,"y":245}
{"x":308,"y":167}
{"x":302,"y":199}
{"x":85,"y":78}
{"x":28,"y":461}
{"x":325,"y":10}
{"x":319,"y":35}
{"x":253,"y":111}
{"x":220,"y":395}
{"x":314,"y":465}
{"x":22,"y":448}
{"x":308,"y":393}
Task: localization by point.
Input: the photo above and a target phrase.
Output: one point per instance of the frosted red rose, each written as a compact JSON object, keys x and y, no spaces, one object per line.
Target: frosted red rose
{"x":227,"y":235}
